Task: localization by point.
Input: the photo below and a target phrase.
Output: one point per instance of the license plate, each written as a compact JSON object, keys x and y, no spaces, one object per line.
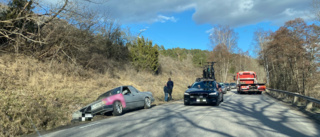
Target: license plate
{"x":201,"y":100}
{"x":191,"y":96}
{"x":201,"y":96}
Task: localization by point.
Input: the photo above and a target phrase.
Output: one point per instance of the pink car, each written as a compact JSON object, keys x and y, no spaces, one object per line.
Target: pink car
{"x":116,"y":101}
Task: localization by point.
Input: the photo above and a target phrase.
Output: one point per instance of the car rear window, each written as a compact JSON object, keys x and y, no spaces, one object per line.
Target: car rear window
{"x":116,"y":91}
{"x":110,"y":93}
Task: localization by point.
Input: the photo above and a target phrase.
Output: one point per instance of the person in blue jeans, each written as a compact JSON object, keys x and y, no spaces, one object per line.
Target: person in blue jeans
{"x":166,"y":90}
{"x":170,"y":87}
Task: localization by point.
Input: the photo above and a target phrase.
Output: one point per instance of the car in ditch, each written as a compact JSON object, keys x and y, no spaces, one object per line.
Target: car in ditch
{"x":203,"y":92}
{"x":117,"y":101}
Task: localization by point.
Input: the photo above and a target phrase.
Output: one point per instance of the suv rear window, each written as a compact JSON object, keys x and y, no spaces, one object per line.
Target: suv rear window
{"x":204,"y":84}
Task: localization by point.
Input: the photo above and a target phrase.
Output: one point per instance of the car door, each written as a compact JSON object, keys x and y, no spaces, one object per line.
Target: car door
{"x":128,"y":97}
{"x":137,"y":96}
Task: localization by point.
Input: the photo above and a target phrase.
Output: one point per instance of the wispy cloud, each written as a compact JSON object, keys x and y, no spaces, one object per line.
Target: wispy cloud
{"x":163,"y":19}
{"x":144,"y":29}
{"x":210,"y":30}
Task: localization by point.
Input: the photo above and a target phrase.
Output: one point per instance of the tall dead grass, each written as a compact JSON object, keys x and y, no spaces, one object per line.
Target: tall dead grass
{"x":46,"y":93}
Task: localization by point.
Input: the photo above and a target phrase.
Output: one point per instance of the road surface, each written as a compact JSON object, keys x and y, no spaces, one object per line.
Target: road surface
{"x":239,"y":115}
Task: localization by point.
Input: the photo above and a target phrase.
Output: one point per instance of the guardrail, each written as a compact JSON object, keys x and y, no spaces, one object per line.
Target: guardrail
{"x":309,"y":101}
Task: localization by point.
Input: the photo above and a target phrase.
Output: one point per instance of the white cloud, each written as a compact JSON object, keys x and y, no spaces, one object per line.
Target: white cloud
{"x":143,"y":30}
{"x":227,"y":12}
{"x":246,"y":5}
{"x":246,"y":12}
{"x":210,"y":30}
{"x":164,"y":19}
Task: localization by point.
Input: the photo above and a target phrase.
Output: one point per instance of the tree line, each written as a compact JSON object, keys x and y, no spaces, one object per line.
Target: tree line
{"x":229,"y":58}
{"x":199,"y":57}
{"x":290,"y":56}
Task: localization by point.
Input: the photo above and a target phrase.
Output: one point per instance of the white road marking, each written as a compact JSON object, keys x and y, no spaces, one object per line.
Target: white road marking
{"x":90,"y":125}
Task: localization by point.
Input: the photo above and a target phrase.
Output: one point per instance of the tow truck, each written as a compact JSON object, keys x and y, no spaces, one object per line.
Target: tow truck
{"x":247,"y":83}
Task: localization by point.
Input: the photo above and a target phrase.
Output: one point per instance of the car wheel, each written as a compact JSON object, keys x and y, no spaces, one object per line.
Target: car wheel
{"x":217,"y":103}
{"x":117,"y":108}
{"x":186,"y":103}
{"x":147,"y":103}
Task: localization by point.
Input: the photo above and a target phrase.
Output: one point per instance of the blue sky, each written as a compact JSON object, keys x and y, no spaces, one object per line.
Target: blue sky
{"x":185,"y":23}
{"x":185,"y":33}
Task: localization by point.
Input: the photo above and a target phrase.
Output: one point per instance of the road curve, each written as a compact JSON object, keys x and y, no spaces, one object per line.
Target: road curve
{"x":238,"y":115}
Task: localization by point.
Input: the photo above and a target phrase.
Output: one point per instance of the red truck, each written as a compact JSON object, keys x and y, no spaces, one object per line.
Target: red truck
{"x":247,"y":83}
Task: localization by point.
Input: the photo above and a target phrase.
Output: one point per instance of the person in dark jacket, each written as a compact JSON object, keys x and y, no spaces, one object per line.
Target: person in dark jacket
{"x":204,"y":73}
{"x":170,"y":87}
{"x":166,"y":90}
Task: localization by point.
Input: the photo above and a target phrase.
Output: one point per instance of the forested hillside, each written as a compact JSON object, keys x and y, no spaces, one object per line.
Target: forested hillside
{"x":199,"y":57}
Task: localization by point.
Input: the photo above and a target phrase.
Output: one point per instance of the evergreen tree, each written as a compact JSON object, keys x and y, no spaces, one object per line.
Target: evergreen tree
{"x":144,"y":55}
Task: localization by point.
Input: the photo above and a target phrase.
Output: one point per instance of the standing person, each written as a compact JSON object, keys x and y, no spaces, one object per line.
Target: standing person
{"x":170,"y":87}
{"x":165,"y":89}
{"x":204,"y":73}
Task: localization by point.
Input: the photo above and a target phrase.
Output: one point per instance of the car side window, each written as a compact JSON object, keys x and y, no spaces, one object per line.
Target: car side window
{"x":133,"y":89}
{"x":126,"y":91}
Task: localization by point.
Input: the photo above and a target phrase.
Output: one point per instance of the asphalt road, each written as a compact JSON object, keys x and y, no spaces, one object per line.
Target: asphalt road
{"x":238,"y":115}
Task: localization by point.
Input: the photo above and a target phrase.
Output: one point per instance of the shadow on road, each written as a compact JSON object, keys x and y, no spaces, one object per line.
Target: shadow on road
{"x":257,"y":111}
{"x":178,"y":120}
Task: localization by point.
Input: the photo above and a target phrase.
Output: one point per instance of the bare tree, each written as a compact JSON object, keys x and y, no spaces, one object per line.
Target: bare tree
{"x":289,"y":56}
{"x":261,"y":40}
{"x":226,"y":37}
{"x":20,"y":26}
{"x":315,"y":9}
{"x":69,"y":31}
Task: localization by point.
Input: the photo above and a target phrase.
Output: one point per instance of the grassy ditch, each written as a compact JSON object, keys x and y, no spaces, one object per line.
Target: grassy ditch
{"x":46,"y":93}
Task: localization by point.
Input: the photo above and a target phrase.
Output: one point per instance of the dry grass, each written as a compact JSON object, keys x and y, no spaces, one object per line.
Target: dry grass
{"x":48,"y":92}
